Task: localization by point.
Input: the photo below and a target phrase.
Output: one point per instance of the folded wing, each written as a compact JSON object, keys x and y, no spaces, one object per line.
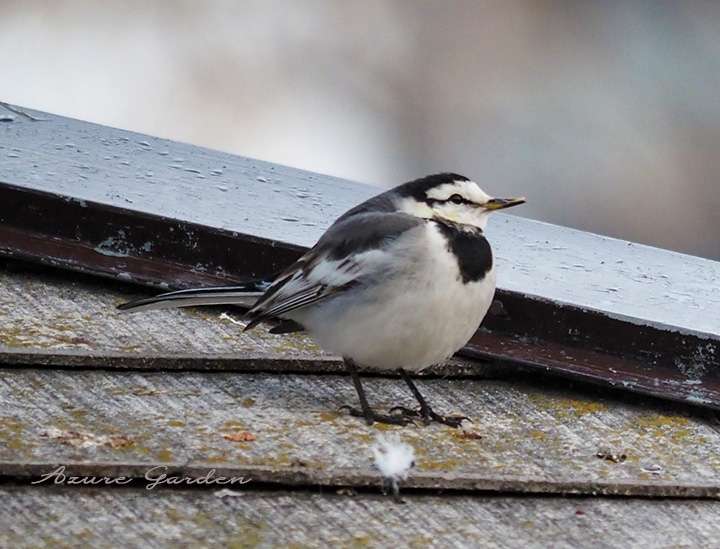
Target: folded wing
{"x":353,"y":249}
{"x":350,"y":251}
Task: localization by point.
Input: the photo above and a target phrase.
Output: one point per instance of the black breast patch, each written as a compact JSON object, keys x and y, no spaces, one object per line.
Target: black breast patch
{"x":470,"y":248}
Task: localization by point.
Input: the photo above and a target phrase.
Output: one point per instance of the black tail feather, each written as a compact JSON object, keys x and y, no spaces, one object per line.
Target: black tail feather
{"x":242,"y":294}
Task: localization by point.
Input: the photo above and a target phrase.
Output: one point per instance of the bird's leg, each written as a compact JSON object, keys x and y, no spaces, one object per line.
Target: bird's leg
{"x":370,"y":415}
{"x":426,"y":413}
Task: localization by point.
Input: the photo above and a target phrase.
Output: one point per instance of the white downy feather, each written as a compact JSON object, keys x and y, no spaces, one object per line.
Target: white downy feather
{"x":393,"y":458}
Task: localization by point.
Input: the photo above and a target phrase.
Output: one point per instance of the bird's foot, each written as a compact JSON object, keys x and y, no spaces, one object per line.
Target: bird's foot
{"x":371,"y":416}
{"x":428,"y":415}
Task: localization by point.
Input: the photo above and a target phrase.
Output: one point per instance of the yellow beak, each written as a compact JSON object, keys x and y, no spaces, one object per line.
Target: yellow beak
{"x":502,"y":203}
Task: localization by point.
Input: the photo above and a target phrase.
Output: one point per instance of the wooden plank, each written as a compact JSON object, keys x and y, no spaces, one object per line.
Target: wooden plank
{"x":32,"y":517}
{"x":48,"y":319}
{"x":524,"y":439}
{"x":46,"y":311}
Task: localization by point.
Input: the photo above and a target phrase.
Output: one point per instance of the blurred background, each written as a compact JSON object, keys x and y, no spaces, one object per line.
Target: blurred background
{"x":606,"y":114}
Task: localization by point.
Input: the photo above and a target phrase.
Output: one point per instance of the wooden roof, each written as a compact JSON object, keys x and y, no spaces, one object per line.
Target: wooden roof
{"x":106,"y":394}
{"x":171,"y":389}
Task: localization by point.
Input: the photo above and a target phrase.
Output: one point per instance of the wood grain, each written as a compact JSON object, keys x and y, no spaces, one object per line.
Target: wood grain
{"x":523,"y":439}
{"x":38,"y":517}
{"x":50,"y":319}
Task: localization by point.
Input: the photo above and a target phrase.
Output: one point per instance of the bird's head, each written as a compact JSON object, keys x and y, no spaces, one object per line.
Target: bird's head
{"x":450,"y":197}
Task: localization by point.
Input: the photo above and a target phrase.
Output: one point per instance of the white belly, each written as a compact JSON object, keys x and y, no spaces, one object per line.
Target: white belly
{"x":410,"y":321}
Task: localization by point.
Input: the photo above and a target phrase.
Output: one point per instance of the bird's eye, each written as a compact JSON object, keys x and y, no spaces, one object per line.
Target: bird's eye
{"x":456,"y":199}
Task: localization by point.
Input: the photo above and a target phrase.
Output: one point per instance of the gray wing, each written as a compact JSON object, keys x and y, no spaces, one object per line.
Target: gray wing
{"x":351,"y":249}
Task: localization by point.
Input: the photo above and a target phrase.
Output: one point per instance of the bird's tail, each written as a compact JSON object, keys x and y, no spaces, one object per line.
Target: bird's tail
{"x":244,"y":294}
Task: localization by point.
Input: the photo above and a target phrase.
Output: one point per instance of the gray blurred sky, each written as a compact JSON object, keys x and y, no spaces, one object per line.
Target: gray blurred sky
{"x":605,"y":114}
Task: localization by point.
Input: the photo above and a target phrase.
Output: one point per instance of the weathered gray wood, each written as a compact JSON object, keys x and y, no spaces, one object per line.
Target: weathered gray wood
{"x":49,"y":319}
{"x":51,"y":312}
{"x":533,"y":440}
{"x":37,"y":517}
{"x":157,"y":176}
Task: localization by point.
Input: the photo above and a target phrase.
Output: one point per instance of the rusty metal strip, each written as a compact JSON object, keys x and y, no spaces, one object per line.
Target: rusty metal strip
{"x":589,"y":346}
{"x":127,"y":245}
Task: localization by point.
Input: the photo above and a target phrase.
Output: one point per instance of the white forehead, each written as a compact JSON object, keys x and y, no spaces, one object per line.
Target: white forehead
{"x":467,"y":189}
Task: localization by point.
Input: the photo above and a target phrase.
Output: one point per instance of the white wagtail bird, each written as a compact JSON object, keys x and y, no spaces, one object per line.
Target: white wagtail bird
{"x":400,"y":282}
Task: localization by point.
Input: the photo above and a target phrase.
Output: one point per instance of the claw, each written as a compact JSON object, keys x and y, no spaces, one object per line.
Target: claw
{"x":373,"y":417}
{"x":428,"y":416}
{"x":451,"y":421}
{"x":404,"y":411}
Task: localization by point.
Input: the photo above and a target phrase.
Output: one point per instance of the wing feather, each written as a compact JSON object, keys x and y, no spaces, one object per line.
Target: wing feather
{"x":341,"y":258}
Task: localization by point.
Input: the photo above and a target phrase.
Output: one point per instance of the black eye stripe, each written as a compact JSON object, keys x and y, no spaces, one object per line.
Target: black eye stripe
{"x":454,"y":199}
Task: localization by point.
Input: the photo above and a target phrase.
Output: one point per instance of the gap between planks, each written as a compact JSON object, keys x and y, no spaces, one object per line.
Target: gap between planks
{"x":299,"y":478}
{"x":251,"y":363}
